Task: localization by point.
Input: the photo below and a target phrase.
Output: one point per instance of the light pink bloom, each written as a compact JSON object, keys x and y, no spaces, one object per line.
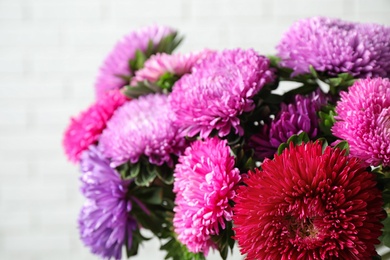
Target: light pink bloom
{"x":161,"y":63}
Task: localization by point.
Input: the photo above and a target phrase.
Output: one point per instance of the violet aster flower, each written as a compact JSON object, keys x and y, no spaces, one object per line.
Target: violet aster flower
{"x":105,"y":221}
{"x":309,"y":204}
{"x":86,"y":128}
{"x":116,"y":68}
{"x":218,"y":91}
{"x":336,"y":46}
{"x":363,"y":119}
{"x":143,"y":126}
{"x":161,"y":63}
{"x":205,"y":181}
{"x":299,"y":116}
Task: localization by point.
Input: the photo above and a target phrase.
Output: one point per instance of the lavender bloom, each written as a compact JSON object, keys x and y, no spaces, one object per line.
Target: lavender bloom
{"x":115,"y":68}
{"x":218,"y":91}
{"x":143,"y":126}
{"x":299,"y":116}
{"x":105,"y":221}
{"x":336,"y":46}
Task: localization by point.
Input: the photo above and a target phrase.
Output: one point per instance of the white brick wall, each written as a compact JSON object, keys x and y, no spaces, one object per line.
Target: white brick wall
{"x":50,"y":51}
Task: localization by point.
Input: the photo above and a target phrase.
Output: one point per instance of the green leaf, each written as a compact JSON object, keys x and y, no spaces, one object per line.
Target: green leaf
{"x":150,"y":195}
{"x":295,"y":139}
{"x":313,"y":71}
{"x":177,"y":251}
{"x":327,"y":119}
{"x":385,"y":237}
{"x":165,"y":174}
{"x":335,"y":81}
{"x":224,"y":240}
{"x":145,"y":177}
{"x":343,"y":145}
{"x":167,"y":81}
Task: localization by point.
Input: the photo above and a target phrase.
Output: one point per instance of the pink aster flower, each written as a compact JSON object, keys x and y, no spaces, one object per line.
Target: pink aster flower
{"x":86,"y":128}
{"x":161,"y":63}
{"x":363,"y":119}
{"x":205,"y":181}
{"x":115,"y":69}
{"x":218,"y":91}
{"x":336,"y":46}
{"x":309,"y":204}
{"x":143,"y":126}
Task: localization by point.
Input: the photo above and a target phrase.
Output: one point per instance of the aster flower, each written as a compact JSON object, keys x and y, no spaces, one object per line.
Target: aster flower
{"x":218,"y":91}
{"x":161,"y":63}
{"x":336,"y":46}
{"x":205,"y":181}
{"x":86,"y":128}
{"x":295,"y":118}
{"x":105,"y":221}
{"x":363,"y":119}
{"x":142,"y":127}
{"x":115,"y":69}
{"x":309,"y":204}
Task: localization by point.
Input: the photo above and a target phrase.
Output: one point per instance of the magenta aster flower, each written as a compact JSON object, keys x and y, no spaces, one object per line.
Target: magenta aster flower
{"x":205,"y":181}
{"x":115,"y":69}
{"x":218,"y":91}
{"x":336,"y":46}
{"x":86,"y":128}
{"x":105,"y":221}
{"x":363,"y":119}
{"x":295,"y":118}
{"x":161,"y":63}
{"x":309,"y":204}
{"x":143,"y":126}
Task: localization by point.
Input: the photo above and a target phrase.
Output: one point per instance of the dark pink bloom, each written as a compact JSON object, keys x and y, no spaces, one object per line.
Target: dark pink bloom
{"x":363,"y":119}
{"x":309,"y":204}
{"x":205,"y":181}
{"x":86,"y":128}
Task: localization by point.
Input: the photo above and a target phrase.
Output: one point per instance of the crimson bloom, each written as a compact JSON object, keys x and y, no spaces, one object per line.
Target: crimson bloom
{"x":309,"y":204}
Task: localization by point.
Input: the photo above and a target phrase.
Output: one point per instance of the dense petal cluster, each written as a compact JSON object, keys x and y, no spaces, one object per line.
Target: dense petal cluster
{"x":115,"y":70}
{"x":219,"y":89}
{"x":86,"y":128}
{"x":294,"y":118}
{"x":336,"y":46}
{"x":143,"y":126}
{"x":205,"y":181}
{"x":363,"y":119}
{"x":105,"y":219}
{"x":161,"y":63}
{"x":309,"y":204}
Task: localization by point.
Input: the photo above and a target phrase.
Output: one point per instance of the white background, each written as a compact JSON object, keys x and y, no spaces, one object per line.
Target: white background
{"x":50,"y":51}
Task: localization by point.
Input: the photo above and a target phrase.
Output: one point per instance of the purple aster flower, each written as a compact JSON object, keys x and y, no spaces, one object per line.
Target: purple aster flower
{"x":161,"y":63}
{"x":336,"y":46}
{"x":105,"y":221}
{"x":218,"y":91}
{"x":299,"y":116}
{"x":363,"y":119}
{"x":115,"y":69}
{"x":143,"y":126}
{"x":205,"y":181}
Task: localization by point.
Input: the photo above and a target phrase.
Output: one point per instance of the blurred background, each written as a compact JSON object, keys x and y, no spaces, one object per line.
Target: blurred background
{"x":50,"y":52}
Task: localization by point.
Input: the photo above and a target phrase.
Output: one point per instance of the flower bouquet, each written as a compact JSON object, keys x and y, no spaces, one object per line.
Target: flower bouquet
{"x":205,"y":149}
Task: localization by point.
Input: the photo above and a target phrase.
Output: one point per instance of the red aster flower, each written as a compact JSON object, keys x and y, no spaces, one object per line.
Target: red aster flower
{"x":309,"y":204}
